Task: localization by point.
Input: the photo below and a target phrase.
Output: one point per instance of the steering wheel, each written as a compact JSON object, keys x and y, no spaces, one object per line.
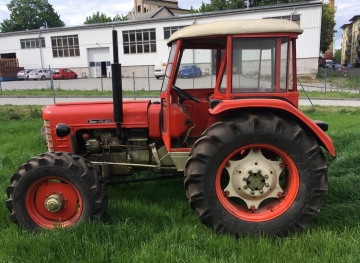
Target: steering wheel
{"x":184,"y":95}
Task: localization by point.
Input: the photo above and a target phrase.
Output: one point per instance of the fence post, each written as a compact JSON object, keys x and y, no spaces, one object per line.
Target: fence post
{"x":149,"y":78}
{"x":0,"y":86}
{"x":134,"y":85}
{"x":52,"y":83}
{"x":102,"y":88}
{"x":325,"y":77}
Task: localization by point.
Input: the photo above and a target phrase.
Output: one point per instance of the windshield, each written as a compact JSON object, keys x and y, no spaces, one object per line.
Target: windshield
{"x":196,"y":69}
{"x":169,"y":67}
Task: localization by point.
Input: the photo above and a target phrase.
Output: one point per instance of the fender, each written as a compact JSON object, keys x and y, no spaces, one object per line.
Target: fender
{"x":281,"y":105}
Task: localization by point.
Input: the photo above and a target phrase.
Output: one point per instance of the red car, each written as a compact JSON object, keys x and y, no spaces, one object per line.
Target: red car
{"x":63,"y":73}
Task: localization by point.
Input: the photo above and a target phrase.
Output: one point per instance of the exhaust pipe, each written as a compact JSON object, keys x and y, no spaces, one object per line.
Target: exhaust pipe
{"x":117,"y":86}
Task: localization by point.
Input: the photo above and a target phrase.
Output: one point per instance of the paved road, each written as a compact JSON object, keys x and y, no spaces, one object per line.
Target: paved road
{"x":130,"y":83}
{"x":139,"y":84}
{"x":47,"y":101}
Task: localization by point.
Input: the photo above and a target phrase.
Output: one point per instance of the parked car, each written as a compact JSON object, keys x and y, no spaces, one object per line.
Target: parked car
{"x":191,"y":70}
{"x":23,"y":74}
{"x":42,"y":74}
{"x":63,"y":73}
{"x":159,"y":69}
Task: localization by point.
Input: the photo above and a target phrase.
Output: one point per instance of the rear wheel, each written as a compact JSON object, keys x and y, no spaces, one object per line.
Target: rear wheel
{"x":56,"y":190}
{"x":63,"y":77}
{"x":43,"y":77}
{"x":258,"y":173}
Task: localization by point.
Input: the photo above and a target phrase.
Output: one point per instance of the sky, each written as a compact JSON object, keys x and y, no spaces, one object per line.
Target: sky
{"x":74,"y":12}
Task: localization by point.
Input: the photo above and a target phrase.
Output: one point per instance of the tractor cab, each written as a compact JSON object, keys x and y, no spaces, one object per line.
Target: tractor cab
{"x":224,"y":65}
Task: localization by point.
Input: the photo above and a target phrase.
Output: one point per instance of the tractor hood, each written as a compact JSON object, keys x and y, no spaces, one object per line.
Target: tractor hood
{"x":97,"y":114}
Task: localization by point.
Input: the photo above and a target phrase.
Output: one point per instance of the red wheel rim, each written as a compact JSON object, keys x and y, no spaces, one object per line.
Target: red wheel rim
{"x":271,"y":209}
{"x":41,"y":190}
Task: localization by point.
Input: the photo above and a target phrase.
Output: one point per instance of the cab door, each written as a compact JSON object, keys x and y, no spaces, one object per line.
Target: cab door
{"x":165,"y":95}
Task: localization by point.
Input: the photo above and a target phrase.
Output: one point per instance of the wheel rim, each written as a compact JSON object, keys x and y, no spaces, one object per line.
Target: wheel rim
{"x":257,"y":182}
{"x":53,"y":202}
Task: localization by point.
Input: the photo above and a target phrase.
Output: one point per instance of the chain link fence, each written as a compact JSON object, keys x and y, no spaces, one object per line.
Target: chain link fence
{"x":339,"y":79}
{"x":42,"y":92}
{"x":135,"y":86}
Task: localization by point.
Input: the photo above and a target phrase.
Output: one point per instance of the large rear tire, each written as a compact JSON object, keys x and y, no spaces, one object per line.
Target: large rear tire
{"x":256,"y":173}
{"x":56,"y":190}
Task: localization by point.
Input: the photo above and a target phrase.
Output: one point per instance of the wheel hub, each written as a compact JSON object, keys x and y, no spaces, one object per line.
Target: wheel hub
{"x":54,"y":203}
{"x":255,"y":181}
{"x":254,"y":178}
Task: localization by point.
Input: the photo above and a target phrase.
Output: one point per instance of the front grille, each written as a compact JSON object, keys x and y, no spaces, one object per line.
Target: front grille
{"x":48,"y":136}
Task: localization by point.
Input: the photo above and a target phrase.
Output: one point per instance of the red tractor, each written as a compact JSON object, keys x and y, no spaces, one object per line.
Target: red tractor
{"x":252,"y":161}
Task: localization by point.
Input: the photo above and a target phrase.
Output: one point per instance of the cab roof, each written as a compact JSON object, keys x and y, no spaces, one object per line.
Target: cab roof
{"x":230,"y":27}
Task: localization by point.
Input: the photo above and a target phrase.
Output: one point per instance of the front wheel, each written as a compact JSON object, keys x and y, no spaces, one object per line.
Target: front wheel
{"x":56,"y":190}
{"x":257,"y":173}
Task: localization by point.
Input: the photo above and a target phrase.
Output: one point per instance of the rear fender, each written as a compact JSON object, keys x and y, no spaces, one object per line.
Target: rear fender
{"x":268,"y":104}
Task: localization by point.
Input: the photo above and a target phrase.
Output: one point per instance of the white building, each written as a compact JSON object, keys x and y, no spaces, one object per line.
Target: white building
{"x":87,"y":49}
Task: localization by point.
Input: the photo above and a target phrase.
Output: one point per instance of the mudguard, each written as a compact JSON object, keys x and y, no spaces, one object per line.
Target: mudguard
{"x":227,"y":105}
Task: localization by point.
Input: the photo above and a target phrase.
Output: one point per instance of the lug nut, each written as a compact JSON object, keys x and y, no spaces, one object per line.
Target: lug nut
{"x":244,"y":179}
{"x":250,"y":172}
{"x":266,"y":177}
{"x":267,"y":185}
{"x":259,"y":171}
{"x":252,"y":192}
{"x":261,"y":191}
{"x":245,"y":187}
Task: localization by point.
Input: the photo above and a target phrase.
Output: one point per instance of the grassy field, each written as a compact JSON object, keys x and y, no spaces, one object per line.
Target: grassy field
{"x":152,"y":222}
{"x":142,"y":93}
{"x":64,"y":92}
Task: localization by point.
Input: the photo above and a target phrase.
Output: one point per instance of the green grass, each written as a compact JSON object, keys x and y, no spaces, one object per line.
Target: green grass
{"x":152,"y":222}
{"x":143,"y":93}
{"x":63,"y":92}
{"x":349,"y":82}
{"x":330,"y":95}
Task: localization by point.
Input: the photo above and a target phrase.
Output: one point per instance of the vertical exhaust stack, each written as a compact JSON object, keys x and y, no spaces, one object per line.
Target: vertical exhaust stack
{"x":117,"y":86}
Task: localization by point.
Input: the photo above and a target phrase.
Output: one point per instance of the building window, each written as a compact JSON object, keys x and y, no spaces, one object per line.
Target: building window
{"x":65,"y":46}
{"x":295,"y":18}
{"x":139,"y":41}
{"x":32,"y":43}
{"x":168,"y":31}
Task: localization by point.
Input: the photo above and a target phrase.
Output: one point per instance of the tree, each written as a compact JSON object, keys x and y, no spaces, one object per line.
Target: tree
{"x":327,"y":27}
{"x":219,"y":5}
{"x":337,"y":55}
{"x":30,"y":14}
{"x":102,"y":18}
{"x":120,"y":18}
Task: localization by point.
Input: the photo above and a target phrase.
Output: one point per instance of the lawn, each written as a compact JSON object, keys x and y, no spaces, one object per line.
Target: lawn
{"x":152,"y":222}
{"x":33,"y":93}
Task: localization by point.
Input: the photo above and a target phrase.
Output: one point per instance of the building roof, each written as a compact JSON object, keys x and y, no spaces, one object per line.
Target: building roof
{"x":152,"y":14}
{"x":354,"y":18}
{"x":246,"y":26}
{"x":345,"y":25}
{"x":153,"y":20}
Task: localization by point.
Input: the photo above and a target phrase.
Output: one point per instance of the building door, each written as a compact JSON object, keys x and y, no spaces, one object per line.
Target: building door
{"x":98,"y":60}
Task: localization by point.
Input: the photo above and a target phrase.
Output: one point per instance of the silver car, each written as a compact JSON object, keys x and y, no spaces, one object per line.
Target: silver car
{"x":23,"y":74}
{"x":42,"y":74}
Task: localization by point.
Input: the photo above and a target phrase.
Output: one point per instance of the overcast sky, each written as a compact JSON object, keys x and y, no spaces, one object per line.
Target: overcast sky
{"x":74,"y":12}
